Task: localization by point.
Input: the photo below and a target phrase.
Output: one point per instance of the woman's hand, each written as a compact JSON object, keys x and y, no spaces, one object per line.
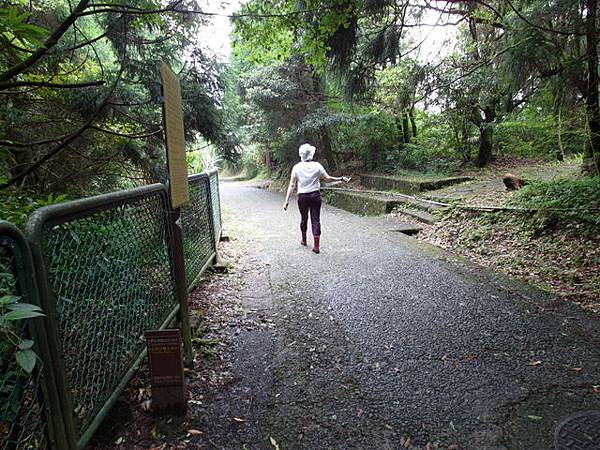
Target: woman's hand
{"x":285,"y":205}
{"x":345,"y":179}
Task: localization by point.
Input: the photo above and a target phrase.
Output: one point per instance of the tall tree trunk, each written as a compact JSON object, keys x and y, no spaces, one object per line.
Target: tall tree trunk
{"x":268,"y":160}
{"x":591,"y":157}
{"x":413,"y":122}
{"x":486,"y":142}
{"x":405,"y":128}
{"x":486,"y":138}
{"x":561,"y":155}
{"x":327,"y":149}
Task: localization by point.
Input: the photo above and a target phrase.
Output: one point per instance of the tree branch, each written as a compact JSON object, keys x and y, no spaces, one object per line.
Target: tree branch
{"x":130,"y":136}
{"x":83,"y":44}
{"x":15,"y":84}
{"x":70,"y":138}
{"x":128,"y":9}
{"x":48,"y":44}
{"x":540,"y":27}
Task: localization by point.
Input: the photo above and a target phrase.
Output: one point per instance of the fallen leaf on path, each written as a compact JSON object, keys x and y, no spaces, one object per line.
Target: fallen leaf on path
{"x":194,"y":432}
{"x":535,"y":418}
{"x":274,"y":443}
{"x":577,"y":369}
{"x":534,"y":363}
{"x":469,"y":358}
{"x":239,"y":419}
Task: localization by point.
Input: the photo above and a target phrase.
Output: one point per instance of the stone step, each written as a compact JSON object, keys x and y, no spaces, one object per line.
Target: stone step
{"x":419,"y":204}
{"x":408,"y":229}
{"x":421,"y":216}
{"x":408,"y":184}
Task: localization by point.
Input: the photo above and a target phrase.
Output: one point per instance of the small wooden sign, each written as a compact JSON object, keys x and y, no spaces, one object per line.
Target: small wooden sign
{"x":173,"y":120}
{"x":166,"y":371}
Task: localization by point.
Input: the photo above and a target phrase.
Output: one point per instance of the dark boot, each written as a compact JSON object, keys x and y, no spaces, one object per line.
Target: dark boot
{"x":317,"y":242}
{"x":303,"y":241}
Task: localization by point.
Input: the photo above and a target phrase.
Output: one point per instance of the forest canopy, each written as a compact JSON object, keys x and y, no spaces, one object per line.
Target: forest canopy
{"x":80,"y":108}
{"x":515,"y":77}
{"x":360,"y":79}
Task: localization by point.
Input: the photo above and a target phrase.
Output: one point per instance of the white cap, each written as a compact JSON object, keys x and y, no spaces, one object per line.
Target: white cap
{"x":306,"y":152}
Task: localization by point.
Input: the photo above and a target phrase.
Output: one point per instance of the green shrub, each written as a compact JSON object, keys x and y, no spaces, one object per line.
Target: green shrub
{"x":374,"y":138}
{"x":433,"y":150}
{"x":252,"y":161}
{"x":532,"y":134}
{"x":563,"y":203}
{"x":16,"y":205}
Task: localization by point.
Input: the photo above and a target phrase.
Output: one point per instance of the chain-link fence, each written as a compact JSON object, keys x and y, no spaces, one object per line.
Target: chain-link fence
{"x":28,"y":417}
{"x":110,"y":277}
{"x":216,"y":202}
{"x":22,"y":419}
{"x":197,"y":225}
{"x":104,"y":273}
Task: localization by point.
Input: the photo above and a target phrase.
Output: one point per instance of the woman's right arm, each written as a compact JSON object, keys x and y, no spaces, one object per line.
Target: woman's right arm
{"x":290,"y":189}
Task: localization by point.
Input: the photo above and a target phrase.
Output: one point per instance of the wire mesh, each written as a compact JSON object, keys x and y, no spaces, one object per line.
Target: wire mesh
{"x":198,"y":240}
{"x":110,"y":271}
{"x":22,"y":415}
{"x":216,"y":204}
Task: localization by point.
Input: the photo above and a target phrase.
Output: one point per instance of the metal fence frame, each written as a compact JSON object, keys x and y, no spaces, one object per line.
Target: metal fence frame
{"x":24,"y":270}
{"x":189,"y":219}
{"x":216,"y":202}
{"x":61,"y":214}
{"x":35,"y":284}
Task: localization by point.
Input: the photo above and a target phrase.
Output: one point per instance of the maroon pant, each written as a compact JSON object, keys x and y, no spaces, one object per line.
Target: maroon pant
{"x":310,"y":201}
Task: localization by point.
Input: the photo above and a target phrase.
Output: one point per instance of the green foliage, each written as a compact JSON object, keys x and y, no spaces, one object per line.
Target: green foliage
{"x":288,"y":28}
{"x":15,"y":26}
{"x":251,"y":161}
{"x":12,"y":343}
{"x":117,"y":52}
{"x":374,"y":138}
{"x":202,"y":157}
{"x":568,"y":204}
{"x":534,"y":133}
{"x":16,"y":205}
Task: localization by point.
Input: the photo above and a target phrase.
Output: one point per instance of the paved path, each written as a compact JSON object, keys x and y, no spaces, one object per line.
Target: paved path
{"x":379,"y":338}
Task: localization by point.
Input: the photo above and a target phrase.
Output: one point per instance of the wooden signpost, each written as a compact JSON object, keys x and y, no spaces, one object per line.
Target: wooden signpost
{"x":164,"y":346}
{"x":179,"y":192}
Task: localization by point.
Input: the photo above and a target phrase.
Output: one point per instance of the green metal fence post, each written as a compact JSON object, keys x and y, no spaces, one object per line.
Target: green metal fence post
{"x":48,"y":305}
{"x":181,"y":283}
{"x":211,"y":215}
{"x":58,"y":432}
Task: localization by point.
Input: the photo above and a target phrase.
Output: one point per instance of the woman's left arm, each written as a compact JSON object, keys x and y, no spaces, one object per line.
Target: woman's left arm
{"x":329,"y":178}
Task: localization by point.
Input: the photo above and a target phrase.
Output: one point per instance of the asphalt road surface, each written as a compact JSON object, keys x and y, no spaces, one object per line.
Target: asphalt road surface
{"x":380,"y":338}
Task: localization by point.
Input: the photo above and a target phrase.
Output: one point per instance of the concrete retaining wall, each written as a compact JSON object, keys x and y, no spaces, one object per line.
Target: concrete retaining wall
{"x":408,"y":185}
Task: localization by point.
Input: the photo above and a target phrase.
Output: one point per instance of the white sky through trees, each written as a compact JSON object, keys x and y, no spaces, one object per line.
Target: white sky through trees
{"x":436,"y":41}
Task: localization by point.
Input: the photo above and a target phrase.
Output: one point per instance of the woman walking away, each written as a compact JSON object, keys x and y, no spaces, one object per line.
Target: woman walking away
{"x":306,"y":175}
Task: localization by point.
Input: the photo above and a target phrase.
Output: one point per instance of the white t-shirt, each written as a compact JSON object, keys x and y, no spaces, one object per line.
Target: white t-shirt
{"x":308,"y":174}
